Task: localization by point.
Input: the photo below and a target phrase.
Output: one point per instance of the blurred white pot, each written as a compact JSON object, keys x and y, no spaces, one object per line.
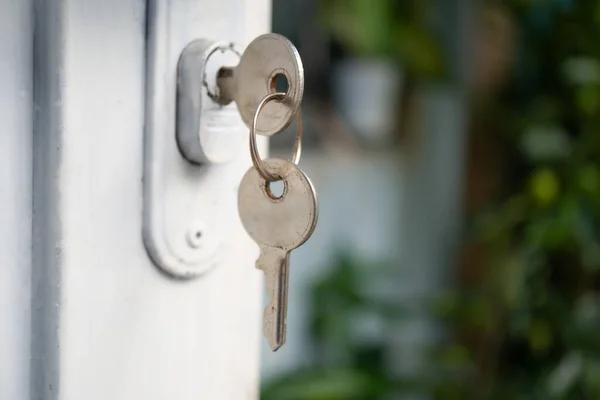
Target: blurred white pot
{"x":366,"y":92}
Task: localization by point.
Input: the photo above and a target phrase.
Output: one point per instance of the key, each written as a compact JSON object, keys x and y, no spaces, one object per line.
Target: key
{"x":206,"y":127}
{"x":263,"y":62}
{"x":278,"y":225}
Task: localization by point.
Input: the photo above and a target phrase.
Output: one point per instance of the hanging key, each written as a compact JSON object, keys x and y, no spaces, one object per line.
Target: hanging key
{"x":278,"y":225}
{"x":267,"y":59}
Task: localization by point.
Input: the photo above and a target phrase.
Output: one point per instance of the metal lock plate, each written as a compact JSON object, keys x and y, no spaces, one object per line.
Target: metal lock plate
{"x":190,"y":208}
{"x":207,"y":132}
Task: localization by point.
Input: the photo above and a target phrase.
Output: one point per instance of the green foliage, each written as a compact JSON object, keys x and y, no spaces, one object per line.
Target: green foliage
{"x":323,"y":384}
{"x":544,"y":237}
{"x":345,"y":365}
{"x":387,"y":29}
{"x":531,"y":330}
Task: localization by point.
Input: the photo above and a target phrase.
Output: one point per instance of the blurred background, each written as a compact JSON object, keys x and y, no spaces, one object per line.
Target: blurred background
{"x":454,"y":145}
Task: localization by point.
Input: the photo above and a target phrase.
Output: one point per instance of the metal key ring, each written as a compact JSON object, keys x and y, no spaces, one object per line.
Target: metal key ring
{"x":256,"y":160}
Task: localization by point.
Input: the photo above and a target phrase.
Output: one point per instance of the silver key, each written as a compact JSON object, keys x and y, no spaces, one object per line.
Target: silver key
{"x":278,"y":225}
{"x":265,"y":58}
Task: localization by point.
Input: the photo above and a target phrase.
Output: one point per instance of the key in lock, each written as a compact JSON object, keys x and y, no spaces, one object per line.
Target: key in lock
{"x":208,"y":86}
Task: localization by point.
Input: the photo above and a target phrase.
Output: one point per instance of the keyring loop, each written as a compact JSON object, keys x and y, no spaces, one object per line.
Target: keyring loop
{"x":256,"y":160}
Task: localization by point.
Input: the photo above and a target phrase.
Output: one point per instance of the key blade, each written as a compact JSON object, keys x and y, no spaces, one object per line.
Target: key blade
{"x":275,"y":263}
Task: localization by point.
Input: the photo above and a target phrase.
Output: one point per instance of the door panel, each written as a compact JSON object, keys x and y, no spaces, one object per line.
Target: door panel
{"x":106,"y":323}
{"x":16,"y":38}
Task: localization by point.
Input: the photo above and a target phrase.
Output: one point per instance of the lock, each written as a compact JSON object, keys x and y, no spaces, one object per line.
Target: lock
{"x":214,"y":78}
{"x":202,"y":95}
{"x":207,"y":130}
{"x":193,"y":153}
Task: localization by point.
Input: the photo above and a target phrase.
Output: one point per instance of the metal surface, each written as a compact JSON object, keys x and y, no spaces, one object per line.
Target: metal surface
{"x":180,"y":196}
{"x":106,"y":324}
{"x":278,"y":225}
{"x":207,"y":132}
{"x":226,"y":84}
{"x":254,"y":153}
{"x":264,"y":59}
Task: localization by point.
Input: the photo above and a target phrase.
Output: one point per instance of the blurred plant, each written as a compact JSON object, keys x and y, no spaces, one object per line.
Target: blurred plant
{"x":346,"y":363}
{"x":389,"y":29}
{"x":530,"y":329}
{"x":353,"y":315}
{"x":539,"y":302}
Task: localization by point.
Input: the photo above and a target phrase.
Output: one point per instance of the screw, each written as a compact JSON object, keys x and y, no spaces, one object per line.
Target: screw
{"x":194,"y":238}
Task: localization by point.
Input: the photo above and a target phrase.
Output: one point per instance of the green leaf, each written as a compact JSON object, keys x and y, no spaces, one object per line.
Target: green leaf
{"x":564,"y":376}
{"x":322,"y":384}
{"x":545,"y":143}
{"x":588,"y":99}
{"x":540,"y":336}
{"x":591,"y":377}
{"x":545,"y":186}
{"x":582,"y":70}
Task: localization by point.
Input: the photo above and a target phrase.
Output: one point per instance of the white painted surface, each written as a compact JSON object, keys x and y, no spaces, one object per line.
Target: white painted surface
{"x":107,"y":323}
{"x":16,"y":36}
{"x":182,"y":199}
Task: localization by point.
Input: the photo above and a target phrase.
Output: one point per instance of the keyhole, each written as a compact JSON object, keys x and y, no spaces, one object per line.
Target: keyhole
{"x":279,"y":83}
{"x":275,"y":189}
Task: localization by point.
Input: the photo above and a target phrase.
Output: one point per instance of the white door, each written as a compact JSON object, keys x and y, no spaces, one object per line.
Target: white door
{"x":85,"y":314}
